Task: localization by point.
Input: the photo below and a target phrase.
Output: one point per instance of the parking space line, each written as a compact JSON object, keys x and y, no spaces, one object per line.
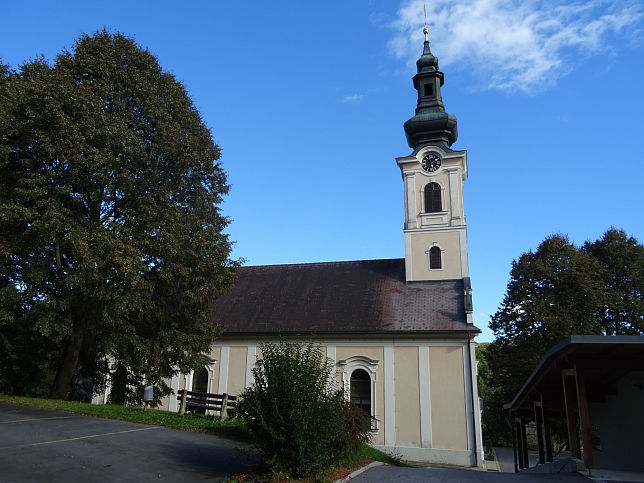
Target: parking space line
{"x":79,"y":438}
{"x":36,"y":419}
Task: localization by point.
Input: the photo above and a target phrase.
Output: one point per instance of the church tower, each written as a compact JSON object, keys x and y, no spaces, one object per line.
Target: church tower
{"x":433,"y":174}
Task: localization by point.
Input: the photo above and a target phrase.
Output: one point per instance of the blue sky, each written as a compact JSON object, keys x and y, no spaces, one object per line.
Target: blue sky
{"x":308,"y":99}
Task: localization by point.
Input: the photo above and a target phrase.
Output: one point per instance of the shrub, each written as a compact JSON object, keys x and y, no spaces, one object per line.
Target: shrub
{"x":298,"y":419}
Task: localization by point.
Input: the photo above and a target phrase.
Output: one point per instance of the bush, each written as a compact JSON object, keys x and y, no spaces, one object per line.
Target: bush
{"x":299,"y":421}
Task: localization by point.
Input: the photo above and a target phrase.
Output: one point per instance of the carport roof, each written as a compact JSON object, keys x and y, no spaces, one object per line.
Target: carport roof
{"x":602,"y":359}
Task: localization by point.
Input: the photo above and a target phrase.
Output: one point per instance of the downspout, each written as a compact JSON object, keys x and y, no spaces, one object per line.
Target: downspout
{"x":476,"y":452}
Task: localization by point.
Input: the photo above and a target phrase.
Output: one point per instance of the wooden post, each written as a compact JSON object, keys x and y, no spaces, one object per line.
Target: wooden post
{"x":538,"y":419}
{"x":584,"y":419}
{"x":570,"y":396}
{"x":184,"y":395}
{"x":517,"y":429}
{"x":546,"y":434}
{"x":514,"y":446}
{"x":524,"y":444}
{"x":224,"y":407}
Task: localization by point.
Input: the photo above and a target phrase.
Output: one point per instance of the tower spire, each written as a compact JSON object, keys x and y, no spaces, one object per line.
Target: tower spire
{"x":430,"y":124}
{"x":425,"y":30}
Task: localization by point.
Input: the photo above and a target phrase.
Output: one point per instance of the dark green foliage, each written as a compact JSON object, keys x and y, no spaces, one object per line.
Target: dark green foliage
{"x":622,"y":259}
{"x":297,"y":419}
{"x":557,"y":291}
{"x":493,"y":396}
{"x":552,"y":293}
{"x":111,"y":239}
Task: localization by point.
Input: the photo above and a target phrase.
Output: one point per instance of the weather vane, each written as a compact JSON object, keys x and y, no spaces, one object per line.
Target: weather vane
{"x":425,"y":30}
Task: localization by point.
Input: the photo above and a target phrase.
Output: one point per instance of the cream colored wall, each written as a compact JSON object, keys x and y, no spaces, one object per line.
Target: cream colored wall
{"x":215,"y":353}
{"x":238,"y":373}
{"x":449,"y":242}
{"x":447,"y":389}
{"x":407,"y":396}
{"x":237,"y":370}
{"x":376,"y":353}
{"x":165,"y":400}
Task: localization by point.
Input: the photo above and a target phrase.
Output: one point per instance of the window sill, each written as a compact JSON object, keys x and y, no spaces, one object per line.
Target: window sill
{"x":432,"y":213}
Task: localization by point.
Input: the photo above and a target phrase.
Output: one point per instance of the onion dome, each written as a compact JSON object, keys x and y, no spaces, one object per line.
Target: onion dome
{"x":431,"y":124}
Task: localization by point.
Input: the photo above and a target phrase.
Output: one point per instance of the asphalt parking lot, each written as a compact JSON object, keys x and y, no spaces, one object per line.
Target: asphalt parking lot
{"x":386,"y":474}
{"x":38,"y":445}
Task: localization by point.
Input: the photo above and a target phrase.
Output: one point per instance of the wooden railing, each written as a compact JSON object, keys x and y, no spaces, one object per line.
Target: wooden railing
{"x":224,"y":403}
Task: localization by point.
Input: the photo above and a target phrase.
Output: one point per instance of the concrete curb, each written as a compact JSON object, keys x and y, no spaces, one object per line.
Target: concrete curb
{"x":492,"y":466}
{"x":351,"y":476}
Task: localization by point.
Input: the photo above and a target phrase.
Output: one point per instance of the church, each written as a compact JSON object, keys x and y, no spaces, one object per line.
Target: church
{"x":399,"y":332}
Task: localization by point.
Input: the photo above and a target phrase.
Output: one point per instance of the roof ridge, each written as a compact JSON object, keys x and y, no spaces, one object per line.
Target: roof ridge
{"x":331,"y":262}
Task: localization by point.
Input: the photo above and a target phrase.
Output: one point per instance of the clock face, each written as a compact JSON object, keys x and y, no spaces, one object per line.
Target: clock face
{"x":431,"y":162}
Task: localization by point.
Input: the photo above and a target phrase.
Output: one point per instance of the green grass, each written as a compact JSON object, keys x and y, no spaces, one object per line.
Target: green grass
{"x":231,"y":428}
{"x":376,"y":455}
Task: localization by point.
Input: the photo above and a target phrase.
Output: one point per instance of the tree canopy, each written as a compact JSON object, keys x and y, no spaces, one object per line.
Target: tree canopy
{"x":554,"y":292}
{"x":111,"y":242}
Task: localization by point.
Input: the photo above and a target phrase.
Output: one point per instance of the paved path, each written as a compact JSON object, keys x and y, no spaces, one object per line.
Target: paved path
{"x":386,"y":474}
{"x":38,"y":445}
{"x":505,"y":457}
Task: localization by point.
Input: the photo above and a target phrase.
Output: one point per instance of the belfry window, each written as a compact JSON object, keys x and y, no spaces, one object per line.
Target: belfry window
{"x":433,"y":201}
{"x":428,"y":89}
{"x":435,"y":258}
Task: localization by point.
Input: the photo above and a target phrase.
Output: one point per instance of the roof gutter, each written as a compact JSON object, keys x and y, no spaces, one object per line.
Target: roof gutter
{"x":363,"y":334}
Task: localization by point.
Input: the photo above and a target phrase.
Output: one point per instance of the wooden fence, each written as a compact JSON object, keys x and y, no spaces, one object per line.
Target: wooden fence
{"x":224,"y":403}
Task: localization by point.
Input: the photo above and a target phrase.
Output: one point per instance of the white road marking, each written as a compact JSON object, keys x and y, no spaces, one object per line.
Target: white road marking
{"x":79,"y":437}
{"x":36,"y":419}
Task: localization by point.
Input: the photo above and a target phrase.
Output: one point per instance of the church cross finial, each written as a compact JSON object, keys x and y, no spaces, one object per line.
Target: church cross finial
{"x":425,"y":30}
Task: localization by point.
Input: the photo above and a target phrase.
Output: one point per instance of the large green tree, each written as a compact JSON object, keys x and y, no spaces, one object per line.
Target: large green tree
{"x":554,"y":292}
{"x":112,"y":240}
{"x":622,"y":259}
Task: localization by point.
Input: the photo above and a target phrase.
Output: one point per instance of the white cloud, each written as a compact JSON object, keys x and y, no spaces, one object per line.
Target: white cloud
{"x":354,"y":98}
{"x":523,"y":45}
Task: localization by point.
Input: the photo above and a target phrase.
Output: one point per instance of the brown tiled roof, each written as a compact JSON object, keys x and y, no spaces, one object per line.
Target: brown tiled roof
{"x":339,"y":297}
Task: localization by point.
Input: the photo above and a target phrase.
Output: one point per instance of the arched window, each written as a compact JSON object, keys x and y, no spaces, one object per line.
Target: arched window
{"x":433,"y":201}
{"x":200,"y":384}
{"x":359,"y":382}
{"x":360,"y":390}
{"x":435,"y":258}
{"x":200,"y":380}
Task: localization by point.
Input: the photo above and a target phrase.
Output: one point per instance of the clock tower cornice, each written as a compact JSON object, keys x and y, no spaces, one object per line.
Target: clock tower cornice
{"x":450,"y":159}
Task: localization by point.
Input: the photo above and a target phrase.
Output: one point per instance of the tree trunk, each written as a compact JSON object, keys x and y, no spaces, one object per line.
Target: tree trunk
{"x":62,"y":383}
